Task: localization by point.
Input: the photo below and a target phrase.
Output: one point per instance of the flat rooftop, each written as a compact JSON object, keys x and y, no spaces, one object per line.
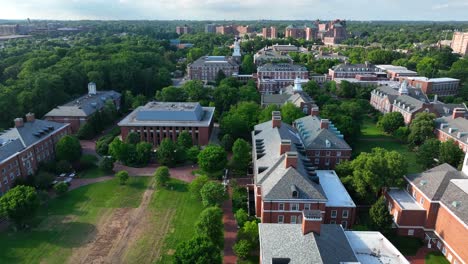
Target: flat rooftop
{"x":373,"y":248}
{"x":334,"y":190}
{"x":169,"y":114}
{"x":404,"y":199}
{"x":425,"y":79}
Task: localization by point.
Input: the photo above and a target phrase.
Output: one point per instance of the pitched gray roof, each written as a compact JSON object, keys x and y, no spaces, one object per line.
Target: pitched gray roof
{"x":314,"y":137}
{"x":214,"y":61}
{"x":286,"y":241}
{"x":458,"y":127}
{"x":456,"y":198}
{"x":433,"y":182}
{"x":281,"y":67}
{"x":356,"y":67}
{"x":333,"y":245}
{"x":19,"y":138}
{"x":415,"y":99}
{"x":85,"y":105}
{"x":446,"y":109}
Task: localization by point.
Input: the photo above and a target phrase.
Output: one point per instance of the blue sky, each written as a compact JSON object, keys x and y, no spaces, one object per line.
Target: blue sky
{"x":238,"y":10}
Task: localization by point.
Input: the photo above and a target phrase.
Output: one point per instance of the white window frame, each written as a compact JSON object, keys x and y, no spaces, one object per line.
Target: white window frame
{"x":345,"y":225}
{"x":317,"y":161}
{"x":294,"y":207}
{"x":334,"y":213}
{"x":439,"y":245}
{"x":421,"y":200}
{"x":307,"y":206}
{"x":338,"y":153}
{"x":317,"y":153}
{"x":281,"y":206}
{"x":410,"y":232}
{"x":280,"y":219}
{"x":444,"y":251}
{"x":293,"y":219}
{"x":343,"y":215}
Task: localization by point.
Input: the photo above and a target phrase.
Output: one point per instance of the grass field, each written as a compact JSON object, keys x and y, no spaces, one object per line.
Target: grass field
{"x":67,"y":221}
{"x":92,"y":173}
{"x":373,"y":137}
{"x":436,"y":258}
{"x":173,"y":216}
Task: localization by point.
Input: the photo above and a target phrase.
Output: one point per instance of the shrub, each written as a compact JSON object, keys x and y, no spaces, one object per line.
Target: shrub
{"x":63,"y":166}
{"x":213,"y":193}
{"x":43,"y":180}
{"x":88,"y":161}
{"x":123,"y":177}
{"x":107,"y":164}
{"x":61,"y":188}
{"x":241,"y":217}
{"x":242,"y":248}
{"x":162,"y":176}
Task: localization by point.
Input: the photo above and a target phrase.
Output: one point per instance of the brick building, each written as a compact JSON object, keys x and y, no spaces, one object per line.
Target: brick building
{"x":347,"y":70}
{"x":210,"y":28}
{"x":315,"y":242}
{"x":454,"y":127}
{"x":434,"y":208}
{"x":180,"y":30}
{"x":78,"y":111}
{"x":291,"y":94}
{"x":234,"y":29}
{"x":333,"y":32}
{"x":26,"y":145}
{"x":460,"y":43}
{"x":286,"y":182}
{"x":438,"y":86}
{"x":156,"y":121}
{"x":272,"y":77}
{"x":395,"y":72}
{"x":323,"y":143}
{"x":269,"y":33}
{"x":297,"y":32}
{"x":206,"y":68}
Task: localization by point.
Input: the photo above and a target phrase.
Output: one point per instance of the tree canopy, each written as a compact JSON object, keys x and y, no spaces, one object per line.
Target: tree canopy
{"x":68,"y":148}
{"x":19,"y":204}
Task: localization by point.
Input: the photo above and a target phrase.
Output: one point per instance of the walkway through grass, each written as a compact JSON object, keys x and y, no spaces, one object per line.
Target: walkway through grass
{"x":66,"y":222}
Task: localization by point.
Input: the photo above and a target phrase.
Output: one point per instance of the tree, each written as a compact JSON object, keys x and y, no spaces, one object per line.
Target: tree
{"x":239,"y":121}
{"x":196,"y":185}
{"x":290,"y":112}
{"x":227,"y":141}
{"x":421,"y":129}
{"x":249,"y":232}
{"x":212,"y":193}
{"x":450,"y":153}
{"x":390,"y":122}
{"x":242,"y":248}
{"x":427,"y":152}
{"x":68,"y":148}
{"x":224,"y":97}
{"x":184,"y":140}
{"x":122,"y":176}
{"x":312,"y":88}
{"x":192,"y":154}
{"x":19,"y":204}
{"x":162,"y":176}
{"x":212,"y":159}
{"x":380,"y":216}
{"x":210,"y":224}
{"x":132,"y":138}
{"x":143,"y":152}
{"x":241,"y":156}
{"x":61,"y":188}
{"x":346,"y":90}
{"x":247,"y":66}
{"x":428,"y":67}
{"x":43,"y":180}
{"x":195,"y":92}
{"x":198,"y":250}
{"x":219,"y":77}
{"x":167,"y":152}
{"x":107,"y":164}
{"x":86,"y":131}
{"x":194,"y":54}
{"x":171,"y":94}
{"x":265,"y":114}
{"x":249,"y":93}
{"x":241,"y":217}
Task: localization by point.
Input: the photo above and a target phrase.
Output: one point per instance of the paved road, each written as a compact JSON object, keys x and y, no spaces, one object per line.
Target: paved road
{"x":230,"y":232}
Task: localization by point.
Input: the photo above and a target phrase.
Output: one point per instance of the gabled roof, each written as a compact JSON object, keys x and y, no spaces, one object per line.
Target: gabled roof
{"x":282,"y":67}
{"x":333,"y":245}
{"x":456,"y":198}
{"x":458,"y":127}
{"x":315,"y":137}
{"x":433,"y":182}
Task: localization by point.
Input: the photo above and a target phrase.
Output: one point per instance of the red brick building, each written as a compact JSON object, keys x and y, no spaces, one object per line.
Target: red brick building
{"x":26,"y":145}
{"x":206,"y":68}
{"x":78,"y":111}
{"x":184,"y":30}
{"x":453,"y":127}
{"x":437,"y":86}
{"x":434,"y":208}
{"x":287,"y":183}
{"x":269,"y":33}
{"x":460,"y":43}
{"x":156,"y":121}
{"x":272,"y":77}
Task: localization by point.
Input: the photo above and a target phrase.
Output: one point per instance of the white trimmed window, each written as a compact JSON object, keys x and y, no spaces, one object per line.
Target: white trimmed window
{"x":280,"y":219}
{"x":281,"y":207}
{"x":293,"y":219}
{"x":439,"y":245}
{"x":307,"y":206}
{"x":333,"y":222}
{"x":295,"y":207}
{"x":444,"y":251}
{"x":410,"y":232}
{"x":317,"y":161}
{"x":421,"y":201}
{"x":344,"y":224}
{"x":344,"y":214}
{"x":333,"y":213}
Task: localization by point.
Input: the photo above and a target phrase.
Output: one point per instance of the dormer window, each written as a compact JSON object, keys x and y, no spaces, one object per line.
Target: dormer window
{"x":294,"y":192}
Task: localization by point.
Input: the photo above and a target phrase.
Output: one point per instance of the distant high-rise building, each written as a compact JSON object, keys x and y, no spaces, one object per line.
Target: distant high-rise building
{"x":295,"y":32}
{"x":269,"y":32}
{"x":460,"y":43}
{"x":234,"y":29}
{"x":210,"y":28}
{"x":330,"y":33}
{"x":184,"y":30}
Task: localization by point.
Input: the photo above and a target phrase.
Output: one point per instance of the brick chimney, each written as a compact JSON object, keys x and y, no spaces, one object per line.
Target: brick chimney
{"x":291,"y":159}
{"x":458,"y":112}
{"x":19,"y":122}
{"x":30,"y":117}
{"x":276,"y":118}
{"x":311,"y":221}
{"x":324,"y":123}
{"x":314,"y":111}
{"x":285,"y":146}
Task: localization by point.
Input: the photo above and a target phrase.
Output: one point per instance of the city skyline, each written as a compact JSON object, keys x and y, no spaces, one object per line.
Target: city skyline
{"x":235,"y":10}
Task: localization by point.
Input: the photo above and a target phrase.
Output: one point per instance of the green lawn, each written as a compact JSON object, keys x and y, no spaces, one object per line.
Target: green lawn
{"x":174,"y":214}
{"x":66,"y":222}
{"x":373,"y":137}
{"x":92,"y":173}
{"x":436,"y":258}
{"x":408,"y":246}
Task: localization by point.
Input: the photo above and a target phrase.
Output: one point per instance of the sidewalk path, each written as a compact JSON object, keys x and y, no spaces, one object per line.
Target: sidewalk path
{"x":183,"y":173}
{"x":420,"y":256}
{"x":230,"y":232}
{"x":76,"y":183}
